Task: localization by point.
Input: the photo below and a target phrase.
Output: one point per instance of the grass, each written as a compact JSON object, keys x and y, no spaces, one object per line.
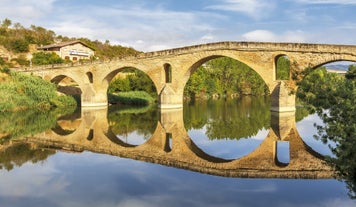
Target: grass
{"x":20,"y":92}
{"x":131,"y":98}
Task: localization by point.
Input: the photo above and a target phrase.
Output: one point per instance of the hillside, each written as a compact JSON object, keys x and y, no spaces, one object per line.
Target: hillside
{"x":17,"y":44}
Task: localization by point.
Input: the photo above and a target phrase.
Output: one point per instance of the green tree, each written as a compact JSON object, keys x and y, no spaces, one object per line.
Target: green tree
{"x":224,"y":77}
{"x":334,"y":97}
{"x":45,"y":58}
{"x":6,"y":23}
{"x":283,"y":68}
{"x":351,"y":72}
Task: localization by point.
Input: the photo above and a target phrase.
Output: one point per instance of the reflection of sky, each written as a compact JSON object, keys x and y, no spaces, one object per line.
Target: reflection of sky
{"x":307,"y":130}
{"x":88,"y":179}
{"x":226,"y":148}
{"x":133,"y":138}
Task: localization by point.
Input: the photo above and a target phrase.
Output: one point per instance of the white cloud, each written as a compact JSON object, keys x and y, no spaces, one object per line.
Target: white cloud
{"x":345,"y":2}
{"x":268,"y":36}
{"x":253,"y":8}
{"x":25,"y":11}
{"x":143,"y":28}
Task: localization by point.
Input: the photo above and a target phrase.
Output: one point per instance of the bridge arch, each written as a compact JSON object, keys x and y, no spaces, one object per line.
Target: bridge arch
{"x":281,"y":67}
{"x":208,"y":58}
{"x":110,"y":77}
{"x":168,"y":72}
{"x":74,"y":91}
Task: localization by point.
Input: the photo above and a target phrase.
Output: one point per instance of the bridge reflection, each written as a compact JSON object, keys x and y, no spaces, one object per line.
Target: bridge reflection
{"x":171,"y":145}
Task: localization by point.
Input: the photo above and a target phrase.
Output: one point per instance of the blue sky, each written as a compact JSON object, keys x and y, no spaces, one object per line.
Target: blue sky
{"x":150,"y":25}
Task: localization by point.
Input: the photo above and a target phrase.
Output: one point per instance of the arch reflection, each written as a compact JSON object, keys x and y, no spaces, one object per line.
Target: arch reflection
{"x":178,"y":150}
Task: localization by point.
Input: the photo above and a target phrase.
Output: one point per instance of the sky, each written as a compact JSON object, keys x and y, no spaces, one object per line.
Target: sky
{"x":150,"y":25}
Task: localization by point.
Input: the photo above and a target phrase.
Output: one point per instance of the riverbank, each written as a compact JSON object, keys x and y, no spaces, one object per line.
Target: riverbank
{"x":20,"y":92}
{"x":141,"y":98}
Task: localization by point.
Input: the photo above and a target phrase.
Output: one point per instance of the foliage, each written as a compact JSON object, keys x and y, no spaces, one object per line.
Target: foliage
{"x":351,"y":72}
{"x":131,"y":98}
{"x":283,"y":68}
{"x":17,"y":39}
{"x":230,"y":118}
{"x":108,"y":51}
{"x":44,"y":58}
{"x":21,"y":60}
{"x":133,"y":80}
{"x":20,"y":153}
{"x":333,"y":97}
{"x":125,"y":120}
{"x":22,"y":91}
{"x":224,"y":77}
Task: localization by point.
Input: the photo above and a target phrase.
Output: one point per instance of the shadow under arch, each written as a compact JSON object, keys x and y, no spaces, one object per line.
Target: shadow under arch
{"x":68,"y":124}
{"x":67,"y":85}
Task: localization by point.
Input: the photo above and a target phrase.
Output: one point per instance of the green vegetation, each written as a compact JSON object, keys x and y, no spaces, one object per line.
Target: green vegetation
{"x":283,"y":68}
{"x":124,"y":120}
{"x":131,"y":98}
{"x":20,"y":153}
{"x":19,"y":92}
{"x":224,"y":77}
{"x":20,"y":40}
{"x":45,"y":58}
{"x":228,"y":119}
{"x":133,"y":87}
{"x":333,"y":98}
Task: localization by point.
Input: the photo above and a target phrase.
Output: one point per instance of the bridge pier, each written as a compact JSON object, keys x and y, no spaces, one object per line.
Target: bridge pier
{"x":170,"y":99}
{"x":282,"y":100}
{"x":93,"y":98}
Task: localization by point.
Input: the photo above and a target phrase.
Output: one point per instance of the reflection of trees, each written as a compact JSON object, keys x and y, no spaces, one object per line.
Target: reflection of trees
{"x":233,"y":119}
{"x":333,"y":97}
{"x":125,"y":120}
{"x":17,"y":124}
{"x":20,"y":153}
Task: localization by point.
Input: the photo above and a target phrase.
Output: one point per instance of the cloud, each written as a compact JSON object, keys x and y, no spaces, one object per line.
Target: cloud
{"x":25,"y":11}
{"x":344,"y":2}
{"x":141,"y":27}
{"x":256,"y":9}
{"x":268,"y":36}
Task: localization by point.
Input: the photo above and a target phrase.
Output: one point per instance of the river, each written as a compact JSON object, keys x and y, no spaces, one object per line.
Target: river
{"x":211,"y":153}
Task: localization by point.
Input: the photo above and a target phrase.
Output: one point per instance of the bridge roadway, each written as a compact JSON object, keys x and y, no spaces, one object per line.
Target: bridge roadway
{"x":170,"y":69}
{"x":94,"y":134}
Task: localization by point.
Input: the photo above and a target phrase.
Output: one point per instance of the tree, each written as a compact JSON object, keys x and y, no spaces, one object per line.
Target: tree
{"x":283,"y":68}
{"x":351,"y":72}
{"x":334,"y":97}
{"x":44,"y":58}
{"x":6,"y":23}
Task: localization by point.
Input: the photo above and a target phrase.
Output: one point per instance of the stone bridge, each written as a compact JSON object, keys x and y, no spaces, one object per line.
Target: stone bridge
{"x":170,"y":69}
{"x":170,"y":145}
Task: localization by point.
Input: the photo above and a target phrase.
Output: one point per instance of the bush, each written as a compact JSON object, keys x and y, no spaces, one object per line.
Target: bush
{"x":22,"y":91}
{"x":44,"y":58}
{"x":131,"y":98}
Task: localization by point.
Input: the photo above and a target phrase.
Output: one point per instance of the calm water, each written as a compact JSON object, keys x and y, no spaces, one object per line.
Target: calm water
{"x":65,"y":161}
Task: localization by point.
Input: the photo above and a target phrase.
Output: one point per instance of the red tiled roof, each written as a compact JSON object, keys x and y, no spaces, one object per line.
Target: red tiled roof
{"x":61,"y":44}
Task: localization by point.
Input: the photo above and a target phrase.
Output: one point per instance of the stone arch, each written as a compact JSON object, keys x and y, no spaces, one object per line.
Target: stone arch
{"x":207,"y":58}
{"x":90,"y":76}
{"x":76,"y":92}
{"x":109,"y":77}
{"x":332,"y":61}
{"x":168,"y":72}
